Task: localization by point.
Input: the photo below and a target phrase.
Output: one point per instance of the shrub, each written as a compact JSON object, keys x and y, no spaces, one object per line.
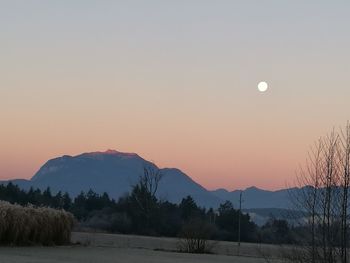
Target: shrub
{"x":194,"y":237}
{"x":28,"y":225}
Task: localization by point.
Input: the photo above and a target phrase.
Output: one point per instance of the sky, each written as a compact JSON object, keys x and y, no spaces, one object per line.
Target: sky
{"x":175,"y":82}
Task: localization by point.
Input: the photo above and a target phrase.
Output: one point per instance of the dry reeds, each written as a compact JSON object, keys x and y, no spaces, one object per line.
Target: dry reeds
{"x":28,"y":225}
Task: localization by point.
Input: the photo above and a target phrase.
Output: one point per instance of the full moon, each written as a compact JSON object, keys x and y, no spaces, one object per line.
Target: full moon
{"x":262,"y":86}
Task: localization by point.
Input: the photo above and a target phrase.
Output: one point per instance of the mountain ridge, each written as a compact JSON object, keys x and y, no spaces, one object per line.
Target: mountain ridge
{"x":116,"y":172}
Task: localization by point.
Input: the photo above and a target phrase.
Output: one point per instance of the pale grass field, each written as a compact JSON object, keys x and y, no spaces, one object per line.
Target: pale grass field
{"x":119,"y":248}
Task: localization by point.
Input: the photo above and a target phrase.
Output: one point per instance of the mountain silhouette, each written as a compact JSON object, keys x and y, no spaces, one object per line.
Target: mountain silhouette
{"x":116,"y":173}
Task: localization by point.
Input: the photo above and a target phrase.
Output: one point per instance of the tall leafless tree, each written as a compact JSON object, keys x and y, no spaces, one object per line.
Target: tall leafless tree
{"x":323,"y":196}
{"x":150,"y":179}
{"x":345,"y":183}
{"x":144,"y":192}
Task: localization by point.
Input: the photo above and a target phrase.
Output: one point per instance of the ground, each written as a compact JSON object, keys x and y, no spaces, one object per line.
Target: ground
{"x":116,"y":248}
{"x":81,"y":254}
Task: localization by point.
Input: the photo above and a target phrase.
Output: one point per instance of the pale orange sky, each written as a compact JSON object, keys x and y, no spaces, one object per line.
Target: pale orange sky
{"x":175,"y":82}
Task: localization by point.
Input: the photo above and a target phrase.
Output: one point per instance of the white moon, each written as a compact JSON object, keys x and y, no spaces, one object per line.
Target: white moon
{"x":262,"y":86}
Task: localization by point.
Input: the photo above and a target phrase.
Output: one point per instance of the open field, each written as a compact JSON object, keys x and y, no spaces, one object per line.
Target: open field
{"x":170,"y":244}
{"x":108,"y":255}
{"x":119,"y":248}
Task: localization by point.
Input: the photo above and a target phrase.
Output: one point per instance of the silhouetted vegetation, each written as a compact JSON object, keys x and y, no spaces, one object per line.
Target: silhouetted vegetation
{"x":277,"y":231}
{"x":325,"y":202}
{"x":140,"y":212}
{"x":27,"y":225}
{"x":194,"y":236}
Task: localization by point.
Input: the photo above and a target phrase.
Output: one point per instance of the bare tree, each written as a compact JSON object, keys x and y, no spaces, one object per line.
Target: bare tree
{"x":345,"y":182}
{"x":329,"y":195}
{"x":323,"y":197}
{"x":144,"y":192}
{"x":150,"y":179}
{"x":307,"y":198}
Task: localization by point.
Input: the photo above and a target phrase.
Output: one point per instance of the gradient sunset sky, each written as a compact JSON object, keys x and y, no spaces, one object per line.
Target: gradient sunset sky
{"x":175,"y":82}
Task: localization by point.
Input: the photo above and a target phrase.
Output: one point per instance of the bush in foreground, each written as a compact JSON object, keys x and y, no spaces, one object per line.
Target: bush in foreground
{"x":194,"y":237}
{"x":28,"y":225}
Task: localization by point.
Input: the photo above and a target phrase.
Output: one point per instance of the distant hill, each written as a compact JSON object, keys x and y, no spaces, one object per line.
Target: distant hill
{"x":116,"y":172}
{"x":254,"y":197}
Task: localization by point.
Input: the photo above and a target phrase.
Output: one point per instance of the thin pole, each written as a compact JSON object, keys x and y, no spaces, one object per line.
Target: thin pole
{"x":239,"y":221}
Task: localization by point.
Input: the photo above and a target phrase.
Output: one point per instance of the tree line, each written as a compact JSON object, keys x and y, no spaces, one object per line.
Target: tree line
{"x":141,"y":213}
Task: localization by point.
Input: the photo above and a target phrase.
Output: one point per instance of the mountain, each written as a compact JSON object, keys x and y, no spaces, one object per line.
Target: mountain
{"x":254,"y":197}
{"x":115,"y":173}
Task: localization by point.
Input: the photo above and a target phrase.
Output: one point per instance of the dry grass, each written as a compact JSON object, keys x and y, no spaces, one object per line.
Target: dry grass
{"x":34,"y":226}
